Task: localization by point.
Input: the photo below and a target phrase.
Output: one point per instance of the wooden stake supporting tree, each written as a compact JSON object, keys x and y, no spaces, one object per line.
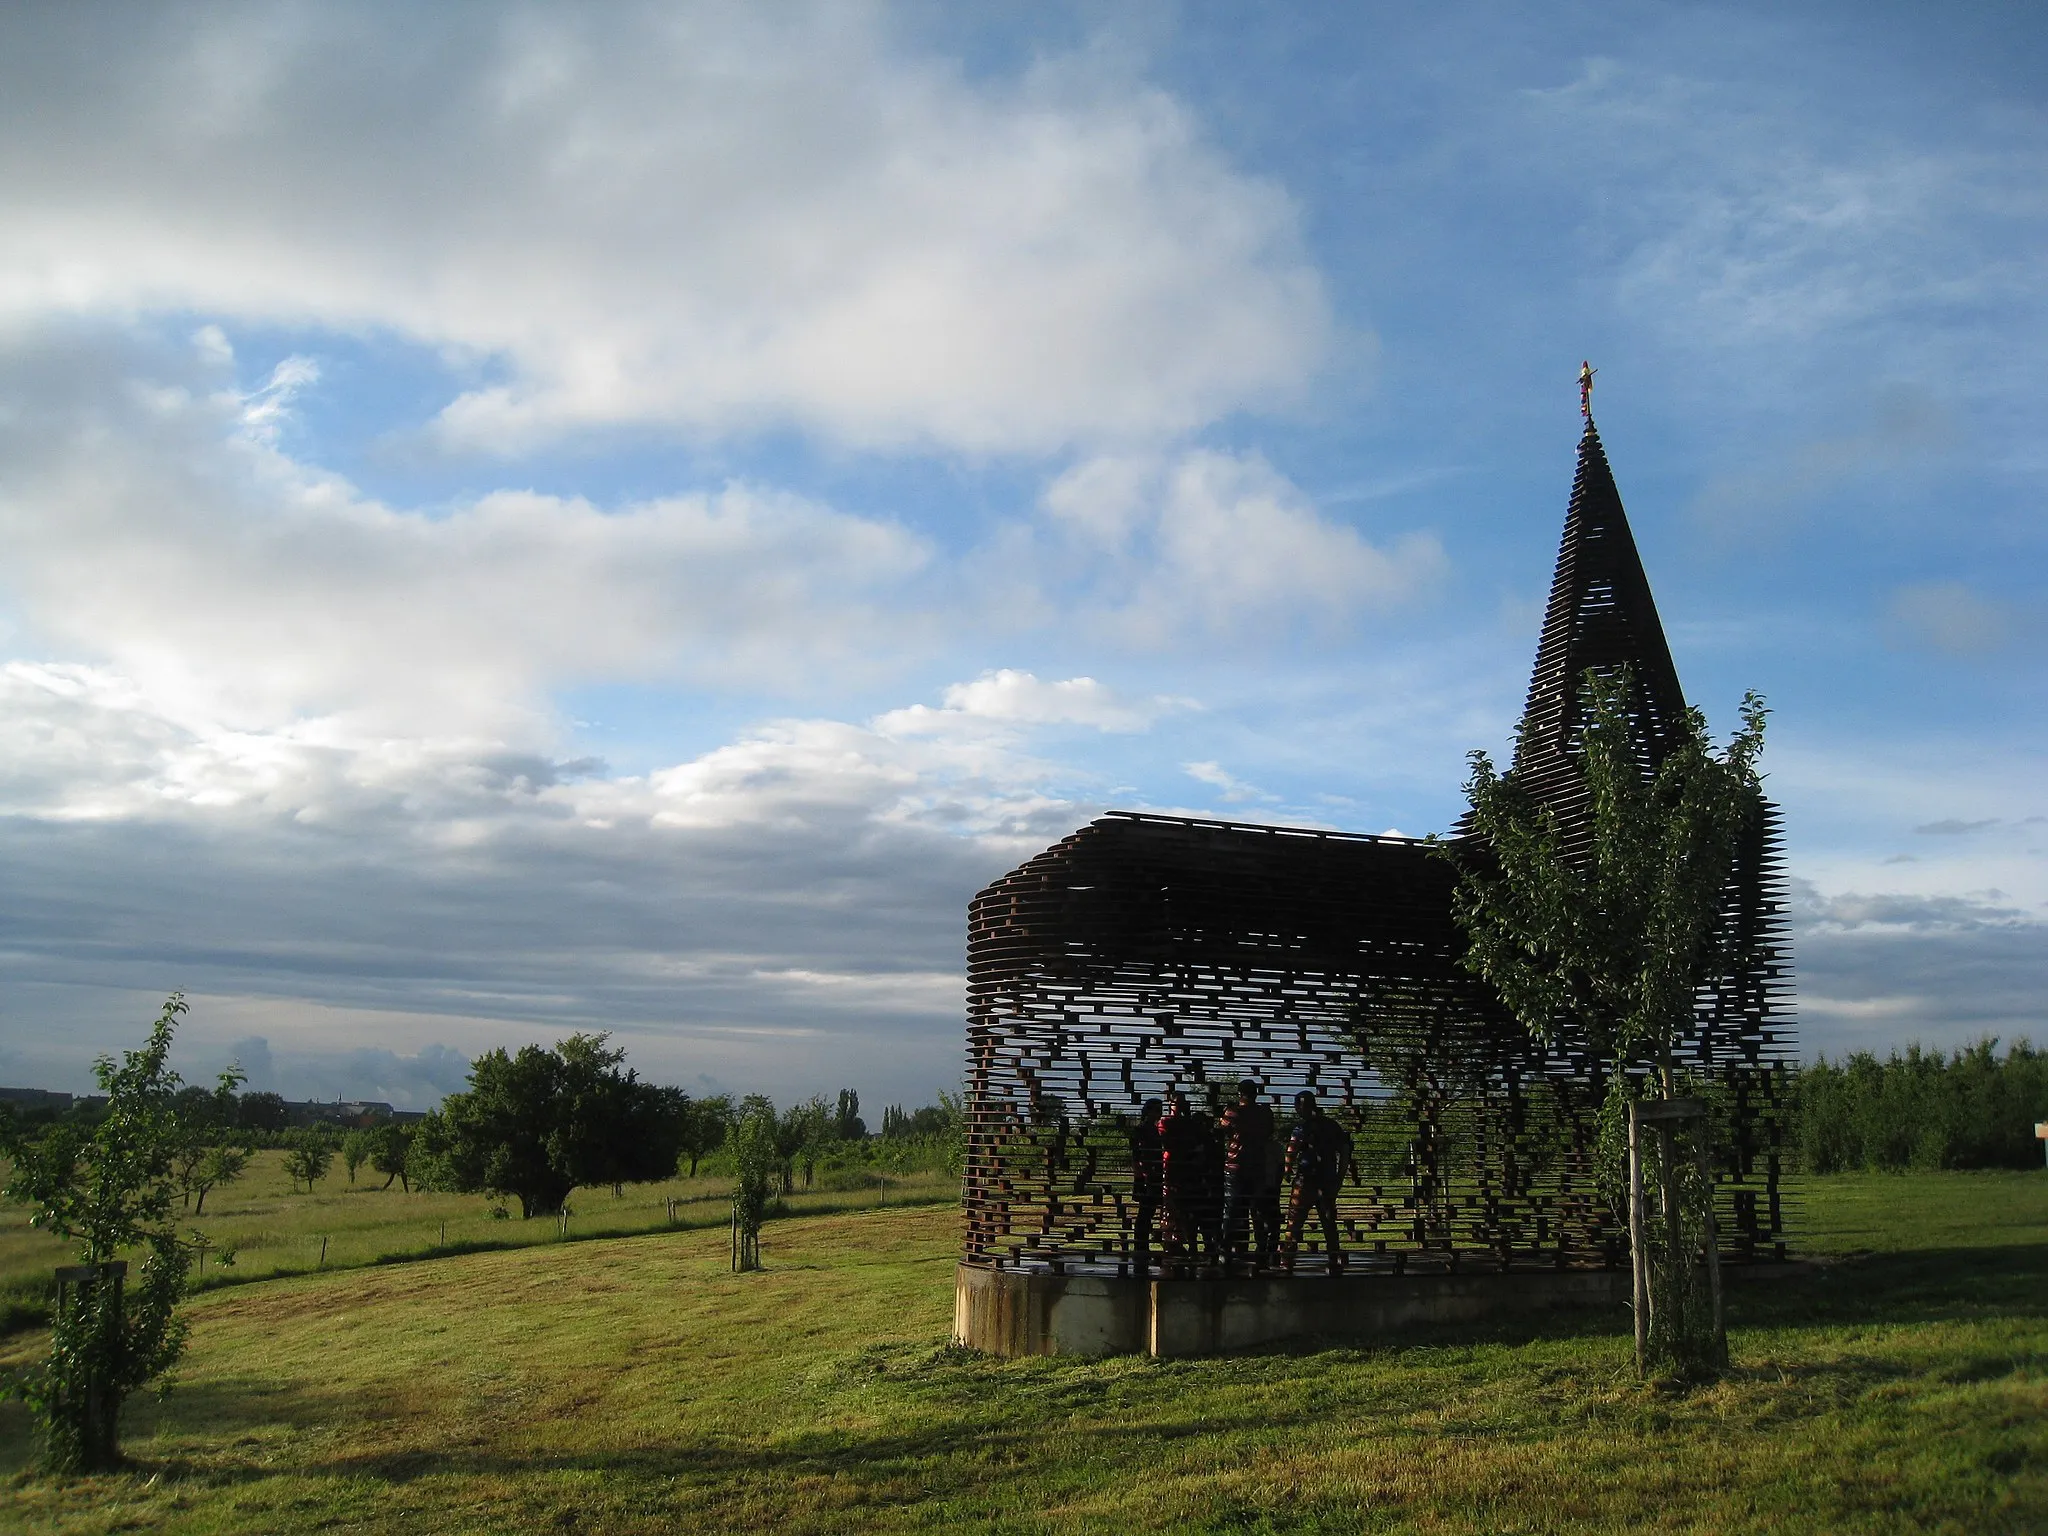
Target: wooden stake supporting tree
{"x":1681,"y":1333}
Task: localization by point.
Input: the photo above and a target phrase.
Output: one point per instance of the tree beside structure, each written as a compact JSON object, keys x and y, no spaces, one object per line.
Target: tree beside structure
{"x":1610,"y":887}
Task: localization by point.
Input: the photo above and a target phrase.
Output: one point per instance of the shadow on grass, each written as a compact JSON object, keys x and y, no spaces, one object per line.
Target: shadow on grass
{"x":1908,"y":1286}
{"x":946,"y":1421}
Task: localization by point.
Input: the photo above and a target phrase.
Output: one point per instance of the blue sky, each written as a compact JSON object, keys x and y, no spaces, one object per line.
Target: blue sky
{"x":520,"y":520}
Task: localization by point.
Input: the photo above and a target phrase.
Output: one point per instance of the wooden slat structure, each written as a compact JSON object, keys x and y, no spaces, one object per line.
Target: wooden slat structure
{"x":1145,"y":953}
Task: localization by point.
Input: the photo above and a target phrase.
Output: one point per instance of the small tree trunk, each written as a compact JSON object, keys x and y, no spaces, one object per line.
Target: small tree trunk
{"x":1639,"y":1258}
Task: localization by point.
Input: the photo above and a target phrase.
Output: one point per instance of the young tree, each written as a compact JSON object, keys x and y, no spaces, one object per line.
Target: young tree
{"x":206,"y":1118}
{"x":355,"y":1151}
{"x":108,"y":1188}
{"x":308,"y":1155}
{"x":800,"y":1134}
{"x":390,"y":1145}
{"x":785,"y":1132}
{"x":222,"y":1163}
{"x":704,"y":1128}
{"x":756,"y":1160}
{"x":1619,"y":930}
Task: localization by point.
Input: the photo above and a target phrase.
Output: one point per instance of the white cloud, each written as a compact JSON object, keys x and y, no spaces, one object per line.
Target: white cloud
{"x":1106,"y":498}
{"x":1218,"y":545}
{"x":710,"y":218}
{"x":266,"y":410}
{"x":1949,"y":617}
{"x":154,"y":530}
{"x":1234,"y":790}
{"x":1007,"y":697}
{"x":1241,"y":540}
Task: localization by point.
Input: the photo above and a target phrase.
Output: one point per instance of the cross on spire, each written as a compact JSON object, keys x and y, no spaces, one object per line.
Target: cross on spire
{"x":1586,"y":372}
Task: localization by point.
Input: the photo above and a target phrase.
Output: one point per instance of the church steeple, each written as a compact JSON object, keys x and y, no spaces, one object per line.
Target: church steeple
{"x":1601,"y":616}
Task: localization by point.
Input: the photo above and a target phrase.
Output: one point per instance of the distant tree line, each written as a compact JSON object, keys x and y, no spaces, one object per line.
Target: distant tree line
{"x":537,"y":1123}
{"x":1922,"y":1109}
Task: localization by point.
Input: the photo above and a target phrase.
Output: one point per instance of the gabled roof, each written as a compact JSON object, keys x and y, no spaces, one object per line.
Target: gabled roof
{"x":1601,"y":615}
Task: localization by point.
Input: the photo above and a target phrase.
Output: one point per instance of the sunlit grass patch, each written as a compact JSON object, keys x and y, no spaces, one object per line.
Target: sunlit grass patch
{"x":636,"y":1384}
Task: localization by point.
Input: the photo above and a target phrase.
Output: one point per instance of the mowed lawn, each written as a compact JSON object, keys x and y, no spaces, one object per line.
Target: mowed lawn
{"x":633,"y":1384}
{"x":273,"y":1226}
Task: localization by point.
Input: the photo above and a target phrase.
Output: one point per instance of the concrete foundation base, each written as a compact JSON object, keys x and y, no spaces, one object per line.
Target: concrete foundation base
{"x":1010,"y":1312}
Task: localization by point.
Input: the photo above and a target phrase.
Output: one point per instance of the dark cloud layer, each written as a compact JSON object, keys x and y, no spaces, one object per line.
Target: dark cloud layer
{"x":790,"y":960}
{"x":1876,"y":971}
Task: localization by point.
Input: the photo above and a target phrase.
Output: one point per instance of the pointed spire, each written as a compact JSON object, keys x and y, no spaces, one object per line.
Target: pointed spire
{"x":1601,"y":615}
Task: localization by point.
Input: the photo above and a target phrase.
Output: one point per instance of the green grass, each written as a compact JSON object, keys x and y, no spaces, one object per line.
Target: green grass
{"x":274,"y":1229}
{"x":634,"y":1384}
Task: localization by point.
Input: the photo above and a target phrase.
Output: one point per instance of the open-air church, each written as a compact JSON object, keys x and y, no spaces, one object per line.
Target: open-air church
{"x":1150,"y":956}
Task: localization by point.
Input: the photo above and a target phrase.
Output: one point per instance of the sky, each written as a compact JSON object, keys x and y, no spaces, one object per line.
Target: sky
{"x":520,"y":518}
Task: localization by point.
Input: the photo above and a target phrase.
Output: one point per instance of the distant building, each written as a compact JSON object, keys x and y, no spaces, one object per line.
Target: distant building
{"x":352,"y":1112}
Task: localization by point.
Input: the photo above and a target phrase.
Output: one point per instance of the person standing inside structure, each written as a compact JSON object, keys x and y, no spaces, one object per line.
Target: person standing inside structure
{"x":1318,"y":1157}
{"x":1247,"y":1127}
{"x":1148,"y":1182}
{"x":1266,"y":1203}
{"x":1194,"y":1186}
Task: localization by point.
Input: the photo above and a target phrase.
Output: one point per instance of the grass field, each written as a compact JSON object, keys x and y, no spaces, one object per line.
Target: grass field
{"x":275,"y":1229}
{"x":634,"y":1384}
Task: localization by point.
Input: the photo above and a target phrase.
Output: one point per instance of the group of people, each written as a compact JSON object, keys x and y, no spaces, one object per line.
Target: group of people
{"x":1200,"y":1182}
